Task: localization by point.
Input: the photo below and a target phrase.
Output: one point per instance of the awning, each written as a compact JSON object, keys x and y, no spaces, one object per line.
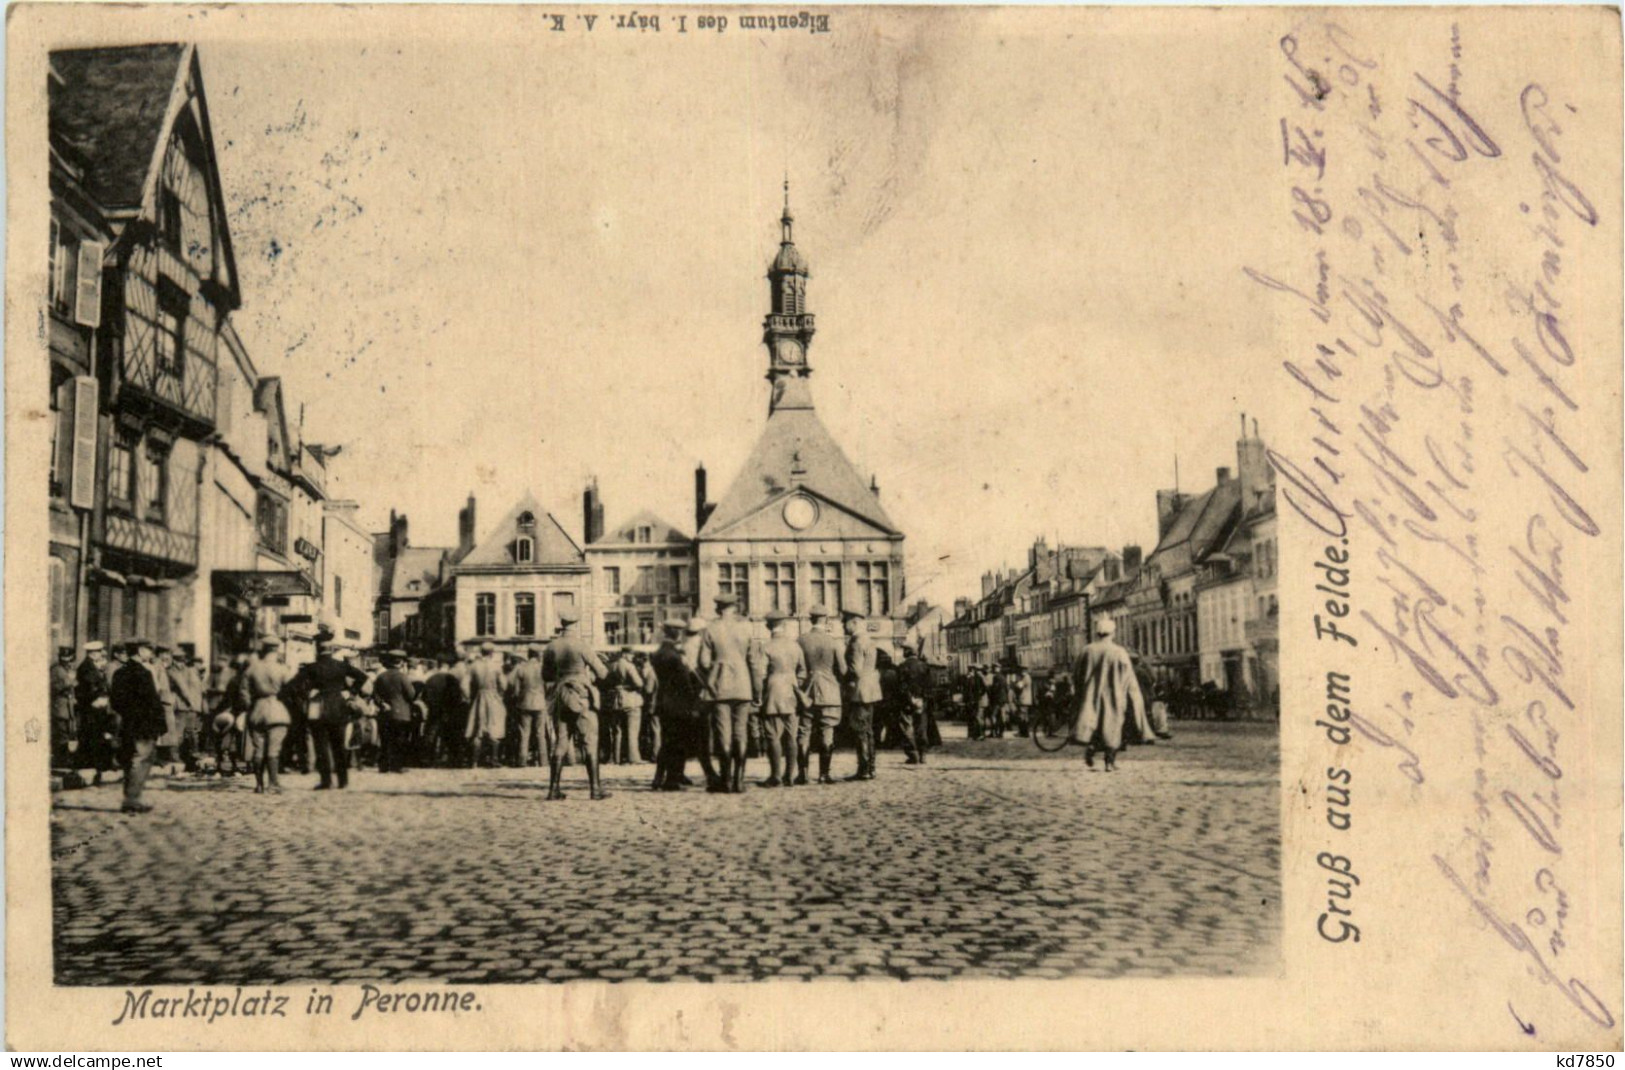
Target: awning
{"x":257,"y":583}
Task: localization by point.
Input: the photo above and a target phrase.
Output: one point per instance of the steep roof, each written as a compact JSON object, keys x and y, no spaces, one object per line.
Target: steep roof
{"x":115,"y":110}
{"x":420,"y":563}
{"x":796,"y":449}
{"x":553,"y":545}
{"x":661,"y":533}
{"x":1200,"y":524}
{"x":1116,"y":592}
{"x":111,"y":108}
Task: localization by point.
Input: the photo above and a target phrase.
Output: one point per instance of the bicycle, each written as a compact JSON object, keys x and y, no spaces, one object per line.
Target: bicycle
{"x":1051,"y":728}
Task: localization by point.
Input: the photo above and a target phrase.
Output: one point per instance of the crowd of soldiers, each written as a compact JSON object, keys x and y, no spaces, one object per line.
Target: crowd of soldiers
{"x":712,"y":694}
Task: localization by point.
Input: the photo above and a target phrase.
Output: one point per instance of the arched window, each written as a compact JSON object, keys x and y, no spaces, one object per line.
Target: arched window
{"x":524,"y":551}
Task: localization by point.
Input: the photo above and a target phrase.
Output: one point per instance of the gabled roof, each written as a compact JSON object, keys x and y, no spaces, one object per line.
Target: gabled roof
{"x":114,"y":108}
{"x":111,"y":108}
{"x":661,"y":533}
{"x":796,"y":449}
{"x":420,"y":563}
{"x":1200,"y":524}
{"x":553,"y":545}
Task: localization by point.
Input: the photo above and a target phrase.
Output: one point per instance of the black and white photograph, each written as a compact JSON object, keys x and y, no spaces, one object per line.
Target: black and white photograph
{"x":734,"y":495}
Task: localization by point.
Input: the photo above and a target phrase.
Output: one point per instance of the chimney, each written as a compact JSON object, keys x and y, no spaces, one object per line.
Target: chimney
{"x":592,"y":514}
{"x":1254,"y":471}
{"x":465,"y":529}
{"x":961,"y":607}
{"x":1222,"y":476}
{"x":1039,"y":551}
{"x":702,"y":508}
{"x":988,"y":584}
{"x":1131,"y":560}
{"x":874,"y":485}
{"x":1169,"y":502}
{"x":397,"y":534}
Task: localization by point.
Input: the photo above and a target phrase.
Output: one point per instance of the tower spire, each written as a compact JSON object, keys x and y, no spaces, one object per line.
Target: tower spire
{"x":787,"y":219}
{"x":788,"y":329}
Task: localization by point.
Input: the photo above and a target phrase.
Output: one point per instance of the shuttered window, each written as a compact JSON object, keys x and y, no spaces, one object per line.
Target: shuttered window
{"x":87,"y":296}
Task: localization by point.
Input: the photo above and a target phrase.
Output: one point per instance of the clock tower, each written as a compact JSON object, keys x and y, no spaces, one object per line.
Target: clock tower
{"x":788,"y":329}
{"x":800,"y":525}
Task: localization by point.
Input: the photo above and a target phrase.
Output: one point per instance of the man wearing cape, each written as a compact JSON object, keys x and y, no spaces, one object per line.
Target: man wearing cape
{"x":1108,"y":696}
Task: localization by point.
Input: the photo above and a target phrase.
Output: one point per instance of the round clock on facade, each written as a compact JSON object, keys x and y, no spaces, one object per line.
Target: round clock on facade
{"x":800,"y":512}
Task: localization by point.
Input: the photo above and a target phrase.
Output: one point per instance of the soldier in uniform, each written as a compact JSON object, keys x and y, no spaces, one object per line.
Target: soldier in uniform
{"x":781,"y":672}
{"x":699,"y":735}
{"x":95,"y":717}
{"x":651,"y":723}
{"x":64,"y":725}
{"x":862,"y":692}
{"x":169,"y":742}
{"x":821,"y":715}
{"x":675,"y":702}
{"x":914,"y":685}
{"x":530,"y":705}
{"x":268,"y":718}
{"x":133,"y":697}
{"x":443,"y":698}
{"x":726,"y":663}
{"x":319,"y":689}
{"x":627,"y":720}
{"x":487,"y":716}
{"x":186,"y":684}
{"x":393,"y":691}
{"x":574,"y":668}
{"x":1021,"y":697}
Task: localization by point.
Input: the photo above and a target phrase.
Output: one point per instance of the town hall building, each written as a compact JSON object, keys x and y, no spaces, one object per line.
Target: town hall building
{"x":799,"y":525}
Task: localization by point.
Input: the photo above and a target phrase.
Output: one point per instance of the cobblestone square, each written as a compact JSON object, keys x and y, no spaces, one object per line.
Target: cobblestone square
{"x":993,"y":860}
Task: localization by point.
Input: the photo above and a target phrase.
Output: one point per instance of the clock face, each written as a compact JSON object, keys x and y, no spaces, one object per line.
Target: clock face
{"x":789,"y":352}
{"x":800,"y":512}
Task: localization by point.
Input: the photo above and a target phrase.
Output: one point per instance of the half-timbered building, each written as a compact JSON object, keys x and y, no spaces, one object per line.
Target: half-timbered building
{"x":137,"y":119}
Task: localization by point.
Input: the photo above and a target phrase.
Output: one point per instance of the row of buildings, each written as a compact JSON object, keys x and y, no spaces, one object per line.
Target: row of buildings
{"x":1201,"y":608}
{"x":186,"y":504}
{"x":798,"y":526}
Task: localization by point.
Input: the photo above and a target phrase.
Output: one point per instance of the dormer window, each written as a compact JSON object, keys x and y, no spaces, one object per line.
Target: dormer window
{"x":645,"y":533}
{"x":524,"y":551}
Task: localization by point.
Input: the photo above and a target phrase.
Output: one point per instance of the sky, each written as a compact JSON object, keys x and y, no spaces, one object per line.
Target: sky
{"x":489,"y":262}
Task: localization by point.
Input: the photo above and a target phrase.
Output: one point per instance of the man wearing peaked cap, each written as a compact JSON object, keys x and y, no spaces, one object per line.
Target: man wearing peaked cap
{"x":625,"y":717}
{"x":821,"y":715}
{"x":319,"y":690}
{"x":392,"y":692}
{"x":574,"y":667}
{"x":140,"y":713}
{"x":782,"y":670}
{"x":64,"y":725}
{"x":674,"y":704}
{"x":99,"y":747}
{"x":914,"y":680}
{"x":530,"y":706}
{"x":726,"y":664}
{"x":862,"y":692}
{"x":487,"y":713}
